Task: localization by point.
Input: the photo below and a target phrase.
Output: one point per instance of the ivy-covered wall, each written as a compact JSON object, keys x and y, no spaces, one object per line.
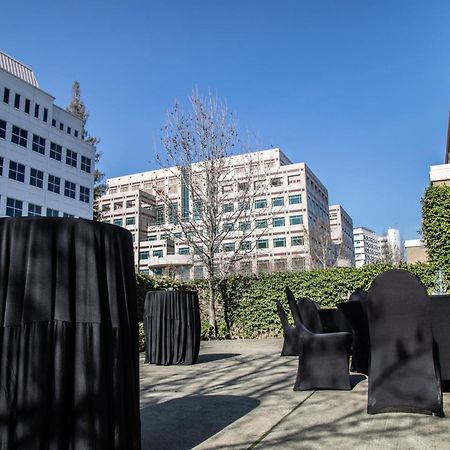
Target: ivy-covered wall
{"x":246,"y":305}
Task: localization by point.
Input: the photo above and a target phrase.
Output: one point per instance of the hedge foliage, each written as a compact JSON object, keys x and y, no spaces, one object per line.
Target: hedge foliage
{"x":436,"y":225}
{"x":246,"y":305}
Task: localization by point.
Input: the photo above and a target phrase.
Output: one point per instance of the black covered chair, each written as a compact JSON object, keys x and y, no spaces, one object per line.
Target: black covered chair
{"x":290,"y":344}
{"x":323,"y":363}
{"x":358,"y":295}
{"x":403,"y":371}
{"x":309,"y":313}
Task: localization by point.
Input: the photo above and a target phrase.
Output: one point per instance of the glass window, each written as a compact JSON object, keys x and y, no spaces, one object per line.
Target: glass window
{"x":261,"y":223}
{"x":228,"y":226}
{"x":260,"y":203}
{"x":276,"y":181}
{"x":61,"y":126}
{"x":69,"y":130}
{"x":69,"y":189}
{"x":85,"y":194}
{"x":1,"y":165}
{"x":262,"y":243}
{"x":297,"y":240}
{"x":244,"y":206}
{"x":17,"y":101}
{"x":2,"y":129}
{"x":117,"y":222}
{"x":68,"y":216}
{"x":246,"y":245}
{"x":13,"y":207}
{"x":160,"y":219}
{"x":54,"y":184}
{"x":183,"y":251}
{"x":244,"y":226}
{"x":296,"y":220}
{"x":130,"y":220}
{"x":228,"y":207}
{"x":55,"y":151}
{"x":38,"y":144}
{"x":45,"y":118}
{"x":152,"y":237}
{"x":158,"y":253}
{"x":52,"y":212}
{"x":278,"y":201}
{"x":278,"y":222}
{"x":75,"y":133}
{"x":19,"y":136}
{"x":6,"y":95}
{"x":279,"y":242}
{"x":144,"y":255}
{"x":173,"y":212}
{"x":53,"y":123}
{"x":198,"y":272}
{"x":36,"y":111}
{"x":85,"y":164}
{"x":34,"y":210}
{"x":16,"y":171}
{"x":27,"y":105}
{"x":36,"y":178}
{"x":295,"y":199}
{"x":71,"y":158}
{"x":228,"y":247}
{"x":198,"y":210}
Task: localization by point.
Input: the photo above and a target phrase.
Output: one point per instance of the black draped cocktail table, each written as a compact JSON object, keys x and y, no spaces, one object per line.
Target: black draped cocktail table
{"x":172,"y":327}
{"x":69,"y":372}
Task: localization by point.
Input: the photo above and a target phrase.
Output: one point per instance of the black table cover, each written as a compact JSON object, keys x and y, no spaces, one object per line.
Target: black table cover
{"x":440,"y":322}
{"x":172,"y":327}
{"x":69,"y":371}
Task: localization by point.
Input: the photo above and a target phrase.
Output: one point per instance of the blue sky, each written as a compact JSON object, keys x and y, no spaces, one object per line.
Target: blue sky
{"x":359,"y":90}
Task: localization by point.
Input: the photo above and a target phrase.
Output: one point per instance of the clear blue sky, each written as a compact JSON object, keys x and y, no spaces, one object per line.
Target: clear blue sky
{"x":359,"y":90}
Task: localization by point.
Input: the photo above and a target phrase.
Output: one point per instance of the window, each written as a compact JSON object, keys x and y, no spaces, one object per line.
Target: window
{"x":262,"y":243}
{"x":54,"y":184}
{"x":296,"y":220}
{"x":1,"y":165}
{"x":53,"y":123}
{"x":297,"y":240}
{"x":157,"y":271}
{"x":183,"y":251}
{"x":85,"y":194}
{"x":276,"y":181}
{"x":55,"y":151}
{"x":280,"y":265}
{"x":71,"y":158}
{"x":45,"y":118}
{"x":198,"y":272}
{"x":17,"y":101}
{"x":27,"y":105}
{"x":246,"y":267}
{"x":228,"y":247}
{"x":294,"y":179}
{"x":68,"y":216}
{"x":173,"y":212}
{"x":227,"y":188}
{"x":130,"y":220}
{"x":279,"y":242}
{"x":36,"y":178}
{"x":152,"y":237}
{"x":85,"y":164}
{"x":16,"y":171}
{"x":34,"y":210}
{"x":160,"y":215}
{"x":198,"y":210}
{"x":75,"y":133}
{"x":2,"y":129}
{"x":69,"y":130}
{"x":228,"y":207}
{"x":261,"y":223}
{"x":278,"y":201}
{"x":158,"y":253}
{"x":164,"y":236}
{"x":295,"y":199}
{"x":36,"y":111}
{"x":278,"y":222}
{"x":19,"y":136}
{"x":144,"y":255}
{"x":246,"y":245}
{"x":117,"y":222}
{"x":61,"y":126}
{"x":69,"y":189}
{"x":261,"y":203}
{"x":52,"y":212}
{"x":228,"y":226}
{"x":244,"y":226}
{"x":6,"y":96}
{"x":38,"y":144}
{"x":13,"y":207}
{"x":298,"y":263}
{"x":262,"y":266}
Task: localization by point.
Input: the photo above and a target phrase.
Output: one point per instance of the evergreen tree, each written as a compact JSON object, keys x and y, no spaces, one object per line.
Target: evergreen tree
{"x":78,"y":108}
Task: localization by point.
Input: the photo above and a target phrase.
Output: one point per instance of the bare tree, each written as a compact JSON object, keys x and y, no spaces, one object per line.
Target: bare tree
{"x":218,"y":215}
{"x":323,"y":252}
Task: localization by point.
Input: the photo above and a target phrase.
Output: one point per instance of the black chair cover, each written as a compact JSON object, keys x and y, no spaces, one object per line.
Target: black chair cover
{"x":290,"y":344}
{"x":323,"y":361}
{"x":69,"y":371}
{"x":172,"y":327}
{"x":440,"y":320}
{"x":402,"y":372}
{"x":309,"y":313}
{"x":358,"y":295}
{"x":355,"y":312}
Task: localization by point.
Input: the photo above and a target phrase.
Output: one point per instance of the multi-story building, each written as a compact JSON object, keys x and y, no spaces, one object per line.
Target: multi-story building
{"x":341,"y":227}
{"x":46,"y":168}
{"x":293,"y":204}
{"x":416,"y":251}
{"x":391,"y":248}
{"x":367,"y":246}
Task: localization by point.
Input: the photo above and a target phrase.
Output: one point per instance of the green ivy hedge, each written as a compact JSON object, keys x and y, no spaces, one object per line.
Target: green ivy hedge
{"x":246,"y":305}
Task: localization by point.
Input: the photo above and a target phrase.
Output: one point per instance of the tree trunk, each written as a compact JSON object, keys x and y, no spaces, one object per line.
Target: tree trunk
{"x":212,"y":309}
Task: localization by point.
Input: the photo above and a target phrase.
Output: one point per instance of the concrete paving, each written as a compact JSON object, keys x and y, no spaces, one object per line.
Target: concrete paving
{"x":239,"y":396}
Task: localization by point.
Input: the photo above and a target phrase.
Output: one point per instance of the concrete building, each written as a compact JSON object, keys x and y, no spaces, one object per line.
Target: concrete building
{"x":46,"y":168}
{"x":416,"y":251}
{"x":367,"y":246}
{"x":290,"y":208}
{"x":341,"y":227}
{"x":391,"y":248}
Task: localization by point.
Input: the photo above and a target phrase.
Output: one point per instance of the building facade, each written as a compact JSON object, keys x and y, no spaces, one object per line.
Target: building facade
{"x":341,"y":227}
{"x":46,"y":168}
{"x":367,"y":246}
{"x":292,"y":205}
{"x":416,"y":251}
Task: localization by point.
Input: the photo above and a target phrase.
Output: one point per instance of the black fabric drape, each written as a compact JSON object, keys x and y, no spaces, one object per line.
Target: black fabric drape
{"x":440,"y":320}
{"x":69,"y":372}
{"x":172,"y":327}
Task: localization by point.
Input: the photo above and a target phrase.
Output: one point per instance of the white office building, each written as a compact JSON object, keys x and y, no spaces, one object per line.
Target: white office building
{"x":287,"y":212}
{"x":341,"y":227}
{"x":367,"y":246}
{"x":46,"y":168}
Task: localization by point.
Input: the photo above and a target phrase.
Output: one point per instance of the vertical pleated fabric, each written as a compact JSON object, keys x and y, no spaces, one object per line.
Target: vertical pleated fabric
{"x":69,"y":361}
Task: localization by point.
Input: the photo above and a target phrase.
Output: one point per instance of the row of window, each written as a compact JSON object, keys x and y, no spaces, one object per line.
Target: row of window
{"x":264,"y":223}
{"x":19,"y":136}
{"x":14,"y":208}
{"x":36,"y":178}
{"x":262,"y":203}
{"x":38,"y":111}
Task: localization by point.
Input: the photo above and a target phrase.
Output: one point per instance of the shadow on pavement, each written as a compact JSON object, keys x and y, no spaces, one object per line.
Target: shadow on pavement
{"x":185,"y":422}
{"x":215,"y":357}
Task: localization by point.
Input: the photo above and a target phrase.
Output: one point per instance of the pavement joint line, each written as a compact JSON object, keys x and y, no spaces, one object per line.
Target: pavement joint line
{"x":272,"y":428}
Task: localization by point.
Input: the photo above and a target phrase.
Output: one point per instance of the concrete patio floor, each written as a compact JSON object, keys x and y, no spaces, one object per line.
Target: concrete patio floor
{"x":239,"y":396}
